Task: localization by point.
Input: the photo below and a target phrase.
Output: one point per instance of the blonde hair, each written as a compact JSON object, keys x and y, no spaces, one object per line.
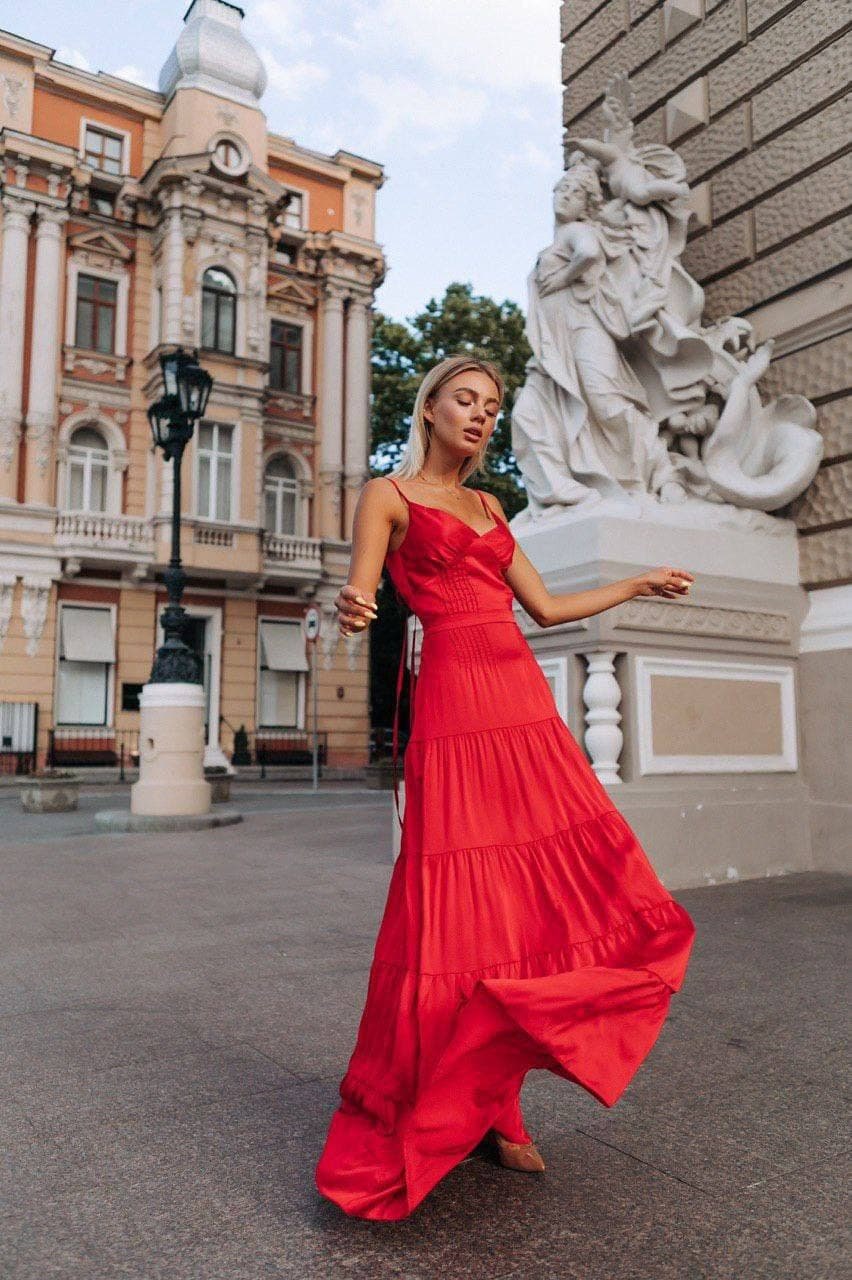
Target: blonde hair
{"x":414,"y":453}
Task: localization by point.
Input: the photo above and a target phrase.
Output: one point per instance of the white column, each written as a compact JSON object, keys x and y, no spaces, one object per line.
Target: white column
{"x":13,"y":296}
{"x":44,"y":354}
{"x":173,"y":251}
{"x":331,"y":425}
{"x":603,"y":737}
{"x":357,"y":439}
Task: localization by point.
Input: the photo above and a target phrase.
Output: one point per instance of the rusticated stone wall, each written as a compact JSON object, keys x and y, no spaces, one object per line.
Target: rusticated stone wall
{"x":754,"y":94}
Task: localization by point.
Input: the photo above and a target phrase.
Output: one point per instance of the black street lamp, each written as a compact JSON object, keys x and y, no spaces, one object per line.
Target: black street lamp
{"x":173,"y":418}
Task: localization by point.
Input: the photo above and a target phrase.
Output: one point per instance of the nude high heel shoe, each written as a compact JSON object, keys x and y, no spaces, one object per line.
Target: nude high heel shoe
{"x":523,"y":1156}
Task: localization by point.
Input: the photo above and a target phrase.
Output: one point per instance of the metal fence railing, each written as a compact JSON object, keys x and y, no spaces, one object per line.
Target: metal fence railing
{"x":271,"y":746}
{"x":18,"y":737}
{"x":83,"y":746}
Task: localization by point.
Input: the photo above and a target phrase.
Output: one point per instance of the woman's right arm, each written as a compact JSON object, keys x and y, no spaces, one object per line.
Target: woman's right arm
{"x":373,"y":523}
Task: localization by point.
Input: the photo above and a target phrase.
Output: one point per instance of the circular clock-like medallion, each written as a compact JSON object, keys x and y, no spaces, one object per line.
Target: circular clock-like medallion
{"x":229,"y":154}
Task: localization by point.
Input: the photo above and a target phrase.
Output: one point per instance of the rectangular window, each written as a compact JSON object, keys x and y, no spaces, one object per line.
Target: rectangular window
{"x":103,"y":150}
{"x":279,"y":699}
{"x":215,"y":471}
{"x":294,"y":213}
{"x":285,"y":357}
{"x":95,"y":318}
{"x":282,"y":661}
{"x":86,"y":660}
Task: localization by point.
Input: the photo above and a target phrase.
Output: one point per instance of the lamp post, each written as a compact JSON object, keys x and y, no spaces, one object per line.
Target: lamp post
{"x":173,"y":417}
{"x":172,"y":787}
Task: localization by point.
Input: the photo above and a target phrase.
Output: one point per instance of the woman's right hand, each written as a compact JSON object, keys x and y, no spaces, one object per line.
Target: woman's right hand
{"x":354,"y":610}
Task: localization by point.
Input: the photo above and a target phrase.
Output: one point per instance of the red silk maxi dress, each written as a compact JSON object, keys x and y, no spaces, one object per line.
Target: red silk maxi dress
{"x":524,"y":925}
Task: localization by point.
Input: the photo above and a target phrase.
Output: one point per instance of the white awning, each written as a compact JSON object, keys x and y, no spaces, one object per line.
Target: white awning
{"x":87,"y":634}
{"x":283,"y":646}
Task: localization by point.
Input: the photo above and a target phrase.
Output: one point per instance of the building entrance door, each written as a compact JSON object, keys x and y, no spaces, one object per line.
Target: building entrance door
{"x":195,"y":634}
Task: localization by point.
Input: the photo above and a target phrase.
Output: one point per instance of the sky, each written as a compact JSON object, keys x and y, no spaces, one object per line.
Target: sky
{"x":459,"y":100}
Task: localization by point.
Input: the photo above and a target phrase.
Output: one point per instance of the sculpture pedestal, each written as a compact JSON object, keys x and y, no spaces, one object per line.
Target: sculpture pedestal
{"x":687,"y":708}
{"x":171,"y":752}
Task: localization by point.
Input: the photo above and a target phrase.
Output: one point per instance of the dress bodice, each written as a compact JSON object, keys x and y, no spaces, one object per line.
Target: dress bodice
{"x":448,"y":575}
{"x":443,"y":567}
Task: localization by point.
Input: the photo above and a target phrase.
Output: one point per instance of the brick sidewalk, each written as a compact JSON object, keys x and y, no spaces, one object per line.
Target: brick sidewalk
{"x":177,"y":1013}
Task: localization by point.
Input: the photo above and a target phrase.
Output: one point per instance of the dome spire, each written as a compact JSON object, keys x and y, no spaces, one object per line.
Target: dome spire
{"x":212,"y":53}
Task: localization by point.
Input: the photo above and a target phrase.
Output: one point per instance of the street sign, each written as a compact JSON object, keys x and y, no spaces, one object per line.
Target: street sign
{"x":311,"y":622}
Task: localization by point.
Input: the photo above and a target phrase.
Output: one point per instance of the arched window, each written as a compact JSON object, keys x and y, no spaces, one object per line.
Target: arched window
{"x":280,"y":492}
{"x":218,"y":311}
{"x":88,"y":468}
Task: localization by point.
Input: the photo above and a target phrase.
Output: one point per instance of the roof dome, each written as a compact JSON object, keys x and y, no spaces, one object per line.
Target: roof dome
{"x":212,"y":53}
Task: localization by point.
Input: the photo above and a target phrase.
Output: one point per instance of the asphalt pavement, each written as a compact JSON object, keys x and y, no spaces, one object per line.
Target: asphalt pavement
{"x":177,"y":1012}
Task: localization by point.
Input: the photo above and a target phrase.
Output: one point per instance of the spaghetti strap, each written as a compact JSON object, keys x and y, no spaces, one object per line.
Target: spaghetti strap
{"x":403,"y":663}
{"x":488,"y":510}
{"x":399,"y":491}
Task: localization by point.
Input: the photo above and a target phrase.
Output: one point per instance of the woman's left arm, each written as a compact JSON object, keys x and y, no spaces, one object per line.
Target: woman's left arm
{"x":548,"y":610}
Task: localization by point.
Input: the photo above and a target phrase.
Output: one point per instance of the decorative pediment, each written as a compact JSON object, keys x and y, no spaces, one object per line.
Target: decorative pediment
{"x":100,"y":244}
{"x":286,"y":291}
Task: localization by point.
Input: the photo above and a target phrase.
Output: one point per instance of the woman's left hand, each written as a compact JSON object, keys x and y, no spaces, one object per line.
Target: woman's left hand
{"x":666,"y":582}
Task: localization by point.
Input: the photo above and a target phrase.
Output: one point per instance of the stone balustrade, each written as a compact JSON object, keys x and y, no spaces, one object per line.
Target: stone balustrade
{"x":118,"y":532}
{"x":291,"y":549}
{"x":204,"y":535}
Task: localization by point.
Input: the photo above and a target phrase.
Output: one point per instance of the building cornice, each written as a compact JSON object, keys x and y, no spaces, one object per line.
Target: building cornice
{"x":21,"y":47}
{"x":99,"y":87}
{"x":361,"y":167}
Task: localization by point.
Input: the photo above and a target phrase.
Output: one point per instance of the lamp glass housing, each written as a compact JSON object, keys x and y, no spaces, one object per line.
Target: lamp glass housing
{"x":159,"y":418}
{"x":194,"y":384}
{"x":170,"y":363}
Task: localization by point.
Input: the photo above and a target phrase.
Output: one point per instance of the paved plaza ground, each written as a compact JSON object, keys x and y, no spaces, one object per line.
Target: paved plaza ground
{"x":177,"y":1012}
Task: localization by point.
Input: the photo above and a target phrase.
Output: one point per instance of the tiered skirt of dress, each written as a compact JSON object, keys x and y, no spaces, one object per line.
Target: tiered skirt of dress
{"x":524,"y":928}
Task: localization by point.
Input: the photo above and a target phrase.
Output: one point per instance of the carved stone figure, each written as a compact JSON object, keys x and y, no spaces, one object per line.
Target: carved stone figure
{"x":628,"y":393}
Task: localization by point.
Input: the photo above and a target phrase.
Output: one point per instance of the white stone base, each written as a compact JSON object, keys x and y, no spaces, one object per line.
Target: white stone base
{"x":171,"y":752}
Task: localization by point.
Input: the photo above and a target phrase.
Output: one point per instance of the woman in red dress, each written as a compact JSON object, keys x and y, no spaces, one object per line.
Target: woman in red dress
{"x":524,"y":925}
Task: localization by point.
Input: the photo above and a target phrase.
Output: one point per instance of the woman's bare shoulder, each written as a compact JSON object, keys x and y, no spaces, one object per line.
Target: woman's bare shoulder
{"x":380,"y":496}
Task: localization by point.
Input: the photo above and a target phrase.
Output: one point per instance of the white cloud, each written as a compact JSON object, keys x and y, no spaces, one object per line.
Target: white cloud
{"x":136,"y":75}
{"x":530,"y":157}
{"x":496,"y":44}
{"x":282,"y":21}
{"x":74,"y":58}
{"x":295,"y":79}
{"x":401,"y":103}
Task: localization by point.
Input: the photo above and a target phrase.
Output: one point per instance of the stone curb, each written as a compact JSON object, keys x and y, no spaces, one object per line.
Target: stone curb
{"x":124,"y":820}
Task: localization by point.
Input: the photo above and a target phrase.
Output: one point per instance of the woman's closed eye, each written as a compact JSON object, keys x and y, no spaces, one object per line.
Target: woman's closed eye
{"x":492,"y":413}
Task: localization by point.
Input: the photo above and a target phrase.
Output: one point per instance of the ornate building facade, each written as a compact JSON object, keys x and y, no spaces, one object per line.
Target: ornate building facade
{"x":133,"y":220}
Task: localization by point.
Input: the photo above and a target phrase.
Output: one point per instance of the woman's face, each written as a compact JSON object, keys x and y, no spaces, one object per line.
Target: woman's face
{"x":463,"y":412}
{"x":569,"y":201}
